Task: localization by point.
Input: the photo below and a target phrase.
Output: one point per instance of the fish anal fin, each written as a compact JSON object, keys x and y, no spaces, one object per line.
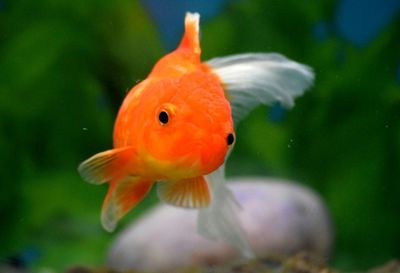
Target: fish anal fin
{"x":188,"y":193}
{"x":106,"y":166}
{"x":122,"y":196}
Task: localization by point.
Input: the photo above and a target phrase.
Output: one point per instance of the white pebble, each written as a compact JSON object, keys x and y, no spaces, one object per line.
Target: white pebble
{"x":279,"y":218}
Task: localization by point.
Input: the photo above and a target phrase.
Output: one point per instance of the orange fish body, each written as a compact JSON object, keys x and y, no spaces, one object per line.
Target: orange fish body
{"x":173,"y":127}
{"x":194,"y":140}
{"x":176,"y":128}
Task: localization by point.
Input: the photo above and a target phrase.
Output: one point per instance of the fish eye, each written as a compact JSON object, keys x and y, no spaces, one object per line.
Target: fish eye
{"x":163,"y":117}
{"x":230,"y":139}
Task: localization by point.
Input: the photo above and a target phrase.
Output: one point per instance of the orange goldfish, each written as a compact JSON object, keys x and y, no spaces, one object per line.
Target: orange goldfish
{"x":175,"y":128}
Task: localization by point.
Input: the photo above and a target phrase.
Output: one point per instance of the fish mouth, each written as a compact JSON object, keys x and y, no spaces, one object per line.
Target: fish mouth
{"x":197,"y":154}
{"x":211,"y":153}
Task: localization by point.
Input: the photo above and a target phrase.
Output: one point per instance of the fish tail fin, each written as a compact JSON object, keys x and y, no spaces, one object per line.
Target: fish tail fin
{"x":121,"y":197}
{"x":219,"y":221}
{"x":191,"y":39}
{"x":252,"y":79}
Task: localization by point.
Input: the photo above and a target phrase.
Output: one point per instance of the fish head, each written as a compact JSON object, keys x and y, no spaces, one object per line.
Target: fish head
{"x":191,"y":128}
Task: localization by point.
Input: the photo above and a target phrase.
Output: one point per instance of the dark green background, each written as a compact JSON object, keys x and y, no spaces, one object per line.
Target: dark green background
{"x":65,"y":67}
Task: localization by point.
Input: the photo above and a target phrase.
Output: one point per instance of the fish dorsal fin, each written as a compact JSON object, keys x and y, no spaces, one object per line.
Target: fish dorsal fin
{"x":186,"y":58}
{"x":253,"y":79}
{"x":122,"y":196}
{"x":191,"y":39}
{"x":188,"y":193}
{"x":106,"y":166}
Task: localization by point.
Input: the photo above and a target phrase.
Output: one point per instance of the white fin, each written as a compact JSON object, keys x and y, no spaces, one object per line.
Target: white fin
{"x":219,"y":221}
{"x":260,"y":78}
{"x":193,"y":18}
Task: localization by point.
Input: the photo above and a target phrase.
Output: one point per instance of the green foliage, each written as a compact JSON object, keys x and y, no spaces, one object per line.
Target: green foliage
{"x":66,"y":66}
{"x":342,"y":138}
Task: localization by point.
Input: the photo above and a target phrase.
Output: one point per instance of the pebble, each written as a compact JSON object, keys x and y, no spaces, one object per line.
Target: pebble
{"x":279,"y":218}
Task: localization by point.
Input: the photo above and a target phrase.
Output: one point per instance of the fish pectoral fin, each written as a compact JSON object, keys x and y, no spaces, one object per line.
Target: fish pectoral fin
{"x":106,"y":166}
{"x":122,"y":196}
{"x":188,"y":193}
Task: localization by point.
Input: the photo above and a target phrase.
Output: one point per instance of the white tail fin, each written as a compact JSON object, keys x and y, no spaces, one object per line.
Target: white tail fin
{"x":219,"y":221}
{"x":259,"y":78}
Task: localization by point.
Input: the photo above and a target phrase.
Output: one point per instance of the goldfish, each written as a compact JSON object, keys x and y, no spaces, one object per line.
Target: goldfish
{"x":176,"y":129}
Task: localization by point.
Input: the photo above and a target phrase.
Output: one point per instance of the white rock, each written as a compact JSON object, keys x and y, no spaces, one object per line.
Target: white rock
{"x":279,"y":218}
